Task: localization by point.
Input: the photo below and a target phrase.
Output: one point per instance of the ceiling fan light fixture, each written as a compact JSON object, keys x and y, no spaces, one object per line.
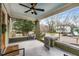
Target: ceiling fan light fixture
{"x":32,"y":11}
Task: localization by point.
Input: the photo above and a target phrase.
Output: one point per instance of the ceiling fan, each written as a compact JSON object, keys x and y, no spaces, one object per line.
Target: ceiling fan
{"x":32,"y":8}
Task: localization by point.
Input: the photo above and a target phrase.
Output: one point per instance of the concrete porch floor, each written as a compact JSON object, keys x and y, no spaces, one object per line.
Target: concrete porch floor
{"x":36,"y":48}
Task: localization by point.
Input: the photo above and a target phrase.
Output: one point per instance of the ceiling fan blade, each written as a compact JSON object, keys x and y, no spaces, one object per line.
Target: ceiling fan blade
{"x":27,"y":11}
{"x":39,"y":9}
{"x":35,"y":12}
{"x":24,"y":5}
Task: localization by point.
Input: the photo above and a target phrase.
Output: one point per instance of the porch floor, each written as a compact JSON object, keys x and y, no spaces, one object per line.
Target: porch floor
{"x":36,"y":48}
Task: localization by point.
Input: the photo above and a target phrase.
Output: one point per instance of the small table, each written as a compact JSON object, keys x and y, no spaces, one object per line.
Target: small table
{"x":49,"y":41}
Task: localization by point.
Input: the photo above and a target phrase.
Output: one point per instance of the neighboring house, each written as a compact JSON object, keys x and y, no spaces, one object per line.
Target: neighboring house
{"x":65,"y":29}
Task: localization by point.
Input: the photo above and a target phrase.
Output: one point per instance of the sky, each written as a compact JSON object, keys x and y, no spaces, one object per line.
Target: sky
{"x":63,"y":15}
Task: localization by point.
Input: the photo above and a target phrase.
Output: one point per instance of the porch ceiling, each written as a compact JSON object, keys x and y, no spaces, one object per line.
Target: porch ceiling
{"x":17,"y":11}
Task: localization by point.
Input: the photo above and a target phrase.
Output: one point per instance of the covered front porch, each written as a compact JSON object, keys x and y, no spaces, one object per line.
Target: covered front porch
{"x":34,"y":47}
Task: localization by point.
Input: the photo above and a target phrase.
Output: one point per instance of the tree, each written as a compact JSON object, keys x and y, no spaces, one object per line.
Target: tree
{"x":76,"y":20}
{"x":51,"y":24}
{"x":75,"y":25}
{"x":23,"y":26}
